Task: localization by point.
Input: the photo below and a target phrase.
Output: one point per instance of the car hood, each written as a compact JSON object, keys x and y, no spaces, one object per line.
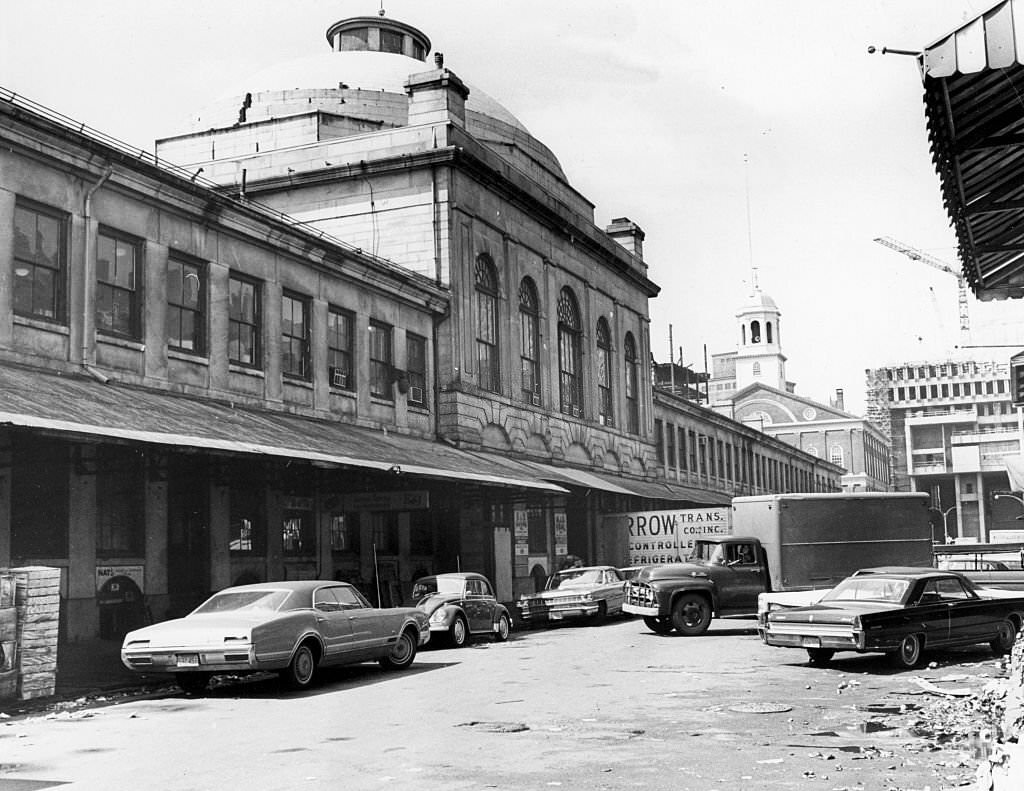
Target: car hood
{"x":194,"y":630}
{"x":842,"y":613}
{"x":672,"y":571}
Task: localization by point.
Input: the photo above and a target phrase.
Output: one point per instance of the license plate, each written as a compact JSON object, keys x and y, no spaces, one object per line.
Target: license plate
{"x":556,"y":616}
{"x":810,"y":642}
{"x":187,"y":660}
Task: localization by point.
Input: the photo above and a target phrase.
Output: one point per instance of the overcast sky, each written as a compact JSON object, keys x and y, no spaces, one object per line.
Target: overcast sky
{"x":677,"y":114}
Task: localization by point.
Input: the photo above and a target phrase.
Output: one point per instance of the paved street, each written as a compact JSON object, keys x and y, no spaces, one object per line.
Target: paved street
{"x":609,"y":707}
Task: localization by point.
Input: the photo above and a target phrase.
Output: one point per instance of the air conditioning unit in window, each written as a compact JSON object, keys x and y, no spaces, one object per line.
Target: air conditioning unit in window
{"x":608,"y":420}
{"x":416,"y":395}
{"x":536,"y":399}
{"x":576,"y":411}
{"x":339,"y":378}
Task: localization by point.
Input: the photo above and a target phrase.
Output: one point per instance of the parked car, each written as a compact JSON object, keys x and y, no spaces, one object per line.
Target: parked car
{"x":292,"y":628}
{"x":595,"y":591}
{"x":900,"y":612}
{"x":461,"y":604}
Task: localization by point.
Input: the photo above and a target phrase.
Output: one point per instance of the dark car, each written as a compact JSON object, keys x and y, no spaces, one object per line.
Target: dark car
{"x":899,"y":612}
{"x":461,"y":604}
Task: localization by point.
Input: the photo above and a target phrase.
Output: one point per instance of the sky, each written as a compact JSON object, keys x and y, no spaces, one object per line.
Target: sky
{"x":756,"y":135}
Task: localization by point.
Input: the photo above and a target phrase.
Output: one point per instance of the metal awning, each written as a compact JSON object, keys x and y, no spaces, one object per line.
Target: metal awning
{"x":974,"y":84}
{"x":83,"y":406}
{"x":620,"y":484}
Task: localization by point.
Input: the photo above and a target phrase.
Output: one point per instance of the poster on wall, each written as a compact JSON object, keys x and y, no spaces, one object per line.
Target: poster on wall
{"x":668,"y":536}
{"x":522,"y":532}
{"x":561,"y":534}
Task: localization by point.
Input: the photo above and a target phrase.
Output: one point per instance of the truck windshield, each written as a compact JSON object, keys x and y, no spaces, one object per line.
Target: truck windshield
{"x":712,"y":553}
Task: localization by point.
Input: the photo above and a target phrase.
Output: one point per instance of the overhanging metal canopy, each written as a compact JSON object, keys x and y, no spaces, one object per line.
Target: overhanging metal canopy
{"x":974,"y":103}
{"x":83,"y":406}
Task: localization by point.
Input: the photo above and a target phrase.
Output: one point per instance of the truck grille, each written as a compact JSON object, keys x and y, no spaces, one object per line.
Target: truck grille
{"x":641,"y":594}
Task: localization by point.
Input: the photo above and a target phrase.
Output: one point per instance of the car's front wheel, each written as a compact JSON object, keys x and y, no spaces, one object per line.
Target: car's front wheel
{"x":192,"y":683}
{"x":820,"y":656}
{"x":657,"y":624}
{"x":908,"y":655}
{"x":504,"y":627}
{"x":691,"y":614}
{"x":300,"y":671}
{"x":1003,"y":642}
{"x":458,"y":633}
{"x":402,"y":652}
{"x":601,"y":615}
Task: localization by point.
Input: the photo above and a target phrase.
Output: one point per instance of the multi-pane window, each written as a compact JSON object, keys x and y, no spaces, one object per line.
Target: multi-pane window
{"x":247,"y":523}
{"x":570,"y":357}
{"x":117,"y":293}
{"x":390,"y":41}
{"x":487,"y":324}
{"x":340,"y":350}
{"x":416,"y":368}
{"x":40,"y":262}
{"x":632,"y":385}
{"x":529,"y":327}
{"x":380,"y":360}
{"x":604,"y":376}
{"x":345,"y":532}
{"x":186,"y":324}
{"x":298,"y":533}
{"x":244,"y":321}
{"x":295,"y":336}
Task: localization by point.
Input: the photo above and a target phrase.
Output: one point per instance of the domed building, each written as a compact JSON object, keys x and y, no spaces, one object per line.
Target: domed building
{"x":543,"y":354}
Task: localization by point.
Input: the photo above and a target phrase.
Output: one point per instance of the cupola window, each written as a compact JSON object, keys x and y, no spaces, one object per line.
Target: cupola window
{"x":755,"y":332}
{"x":768,"y":331}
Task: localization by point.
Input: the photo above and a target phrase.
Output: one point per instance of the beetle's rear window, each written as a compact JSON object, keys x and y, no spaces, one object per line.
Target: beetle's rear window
{"x":243,"y":600}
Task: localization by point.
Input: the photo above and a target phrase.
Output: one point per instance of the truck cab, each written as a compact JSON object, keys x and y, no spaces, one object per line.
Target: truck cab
{"x":722,"y":576}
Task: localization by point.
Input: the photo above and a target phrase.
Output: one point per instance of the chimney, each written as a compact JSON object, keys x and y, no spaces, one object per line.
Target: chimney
{"x":627,"y":233}
{"x":838,"y":403}
{"x":437,"y":96}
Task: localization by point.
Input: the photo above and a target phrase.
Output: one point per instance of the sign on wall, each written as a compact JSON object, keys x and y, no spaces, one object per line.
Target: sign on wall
{"x":561,"y":534}
{"x":668,"y":536}
{"x":522,"y":532}
{"x":104,"y":574}
{"x":387,"y":501}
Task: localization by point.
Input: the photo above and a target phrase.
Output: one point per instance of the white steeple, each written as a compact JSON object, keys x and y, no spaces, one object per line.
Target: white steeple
{"x":759,"y":357}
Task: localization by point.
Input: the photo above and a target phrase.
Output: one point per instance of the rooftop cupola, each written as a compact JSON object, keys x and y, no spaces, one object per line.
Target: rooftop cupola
{"x":378,"y":34}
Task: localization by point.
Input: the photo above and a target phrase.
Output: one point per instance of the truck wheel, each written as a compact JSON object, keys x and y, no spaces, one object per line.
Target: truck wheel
{"x":820,"y":656}
{"x":658,"y":625}
{"x":1003,"y":642}
{"x":691,"y":614}
{"x":908,"y":655}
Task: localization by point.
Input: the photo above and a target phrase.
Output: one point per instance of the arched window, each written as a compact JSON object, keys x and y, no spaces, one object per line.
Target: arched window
{"x":757,"y":369}
{"x":487,"y":324}
{"x":570,"y":354}
{"x":743,"y":334}
{"x":835,"y":455}
{"x":755,"y":332}
{"x":529,"y":329}
{"x":604,"y":373}
{"x":632,"y":384}
{"x":768,"y":331}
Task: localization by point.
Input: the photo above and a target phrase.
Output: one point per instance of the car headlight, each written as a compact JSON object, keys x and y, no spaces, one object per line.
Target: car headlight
{"x":855,"y":623}
{"x":587,"y":597}
{"x":438,"y":615}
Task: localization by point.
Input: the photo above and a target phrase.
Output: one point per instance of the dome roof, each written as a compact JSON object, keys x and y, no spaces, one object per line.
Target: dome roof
{"x":759,"y":302}
{"x":369,"y":71}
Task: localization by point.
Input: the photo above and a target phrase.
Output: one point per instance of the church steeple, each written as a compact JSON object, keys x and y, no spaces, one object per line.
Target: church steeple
{"x":759,"y":357}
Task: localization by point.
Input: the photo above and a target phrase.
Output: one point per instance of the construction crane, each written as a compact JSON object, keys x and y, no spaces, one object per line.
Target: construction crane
{"x":942,"y":266}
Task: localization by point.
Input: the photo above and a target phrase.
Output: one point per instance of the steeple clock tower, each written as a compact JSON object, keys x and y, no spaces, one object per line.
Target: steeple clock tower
{"x":759,"y":357}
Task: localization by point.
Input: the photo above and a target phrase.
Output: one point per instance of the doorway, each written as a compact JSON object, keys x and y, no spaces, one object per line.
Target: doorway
{"x":188,"y":533}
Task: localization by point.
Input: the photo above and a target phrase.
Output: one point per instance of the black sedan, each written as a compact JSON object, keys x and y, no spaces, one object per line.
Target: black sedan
{"x":899,"y":612}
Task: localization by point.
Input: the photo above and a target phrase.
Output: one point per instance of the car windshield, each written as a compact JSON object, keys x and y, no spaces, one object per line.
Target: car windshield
{"x":883,"y":589}
{"x":432,"y":585}
{"x":233,"y":601}
{"x":574,"y":578}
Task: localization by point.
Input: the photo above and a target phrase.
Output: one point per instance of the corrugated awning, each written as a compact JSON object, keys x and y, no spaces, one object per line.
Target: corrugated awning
{"x":83,"y":406}
{"x":577,"y":477}
{"x":974,"y":102}
{"x":620,"y":484}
